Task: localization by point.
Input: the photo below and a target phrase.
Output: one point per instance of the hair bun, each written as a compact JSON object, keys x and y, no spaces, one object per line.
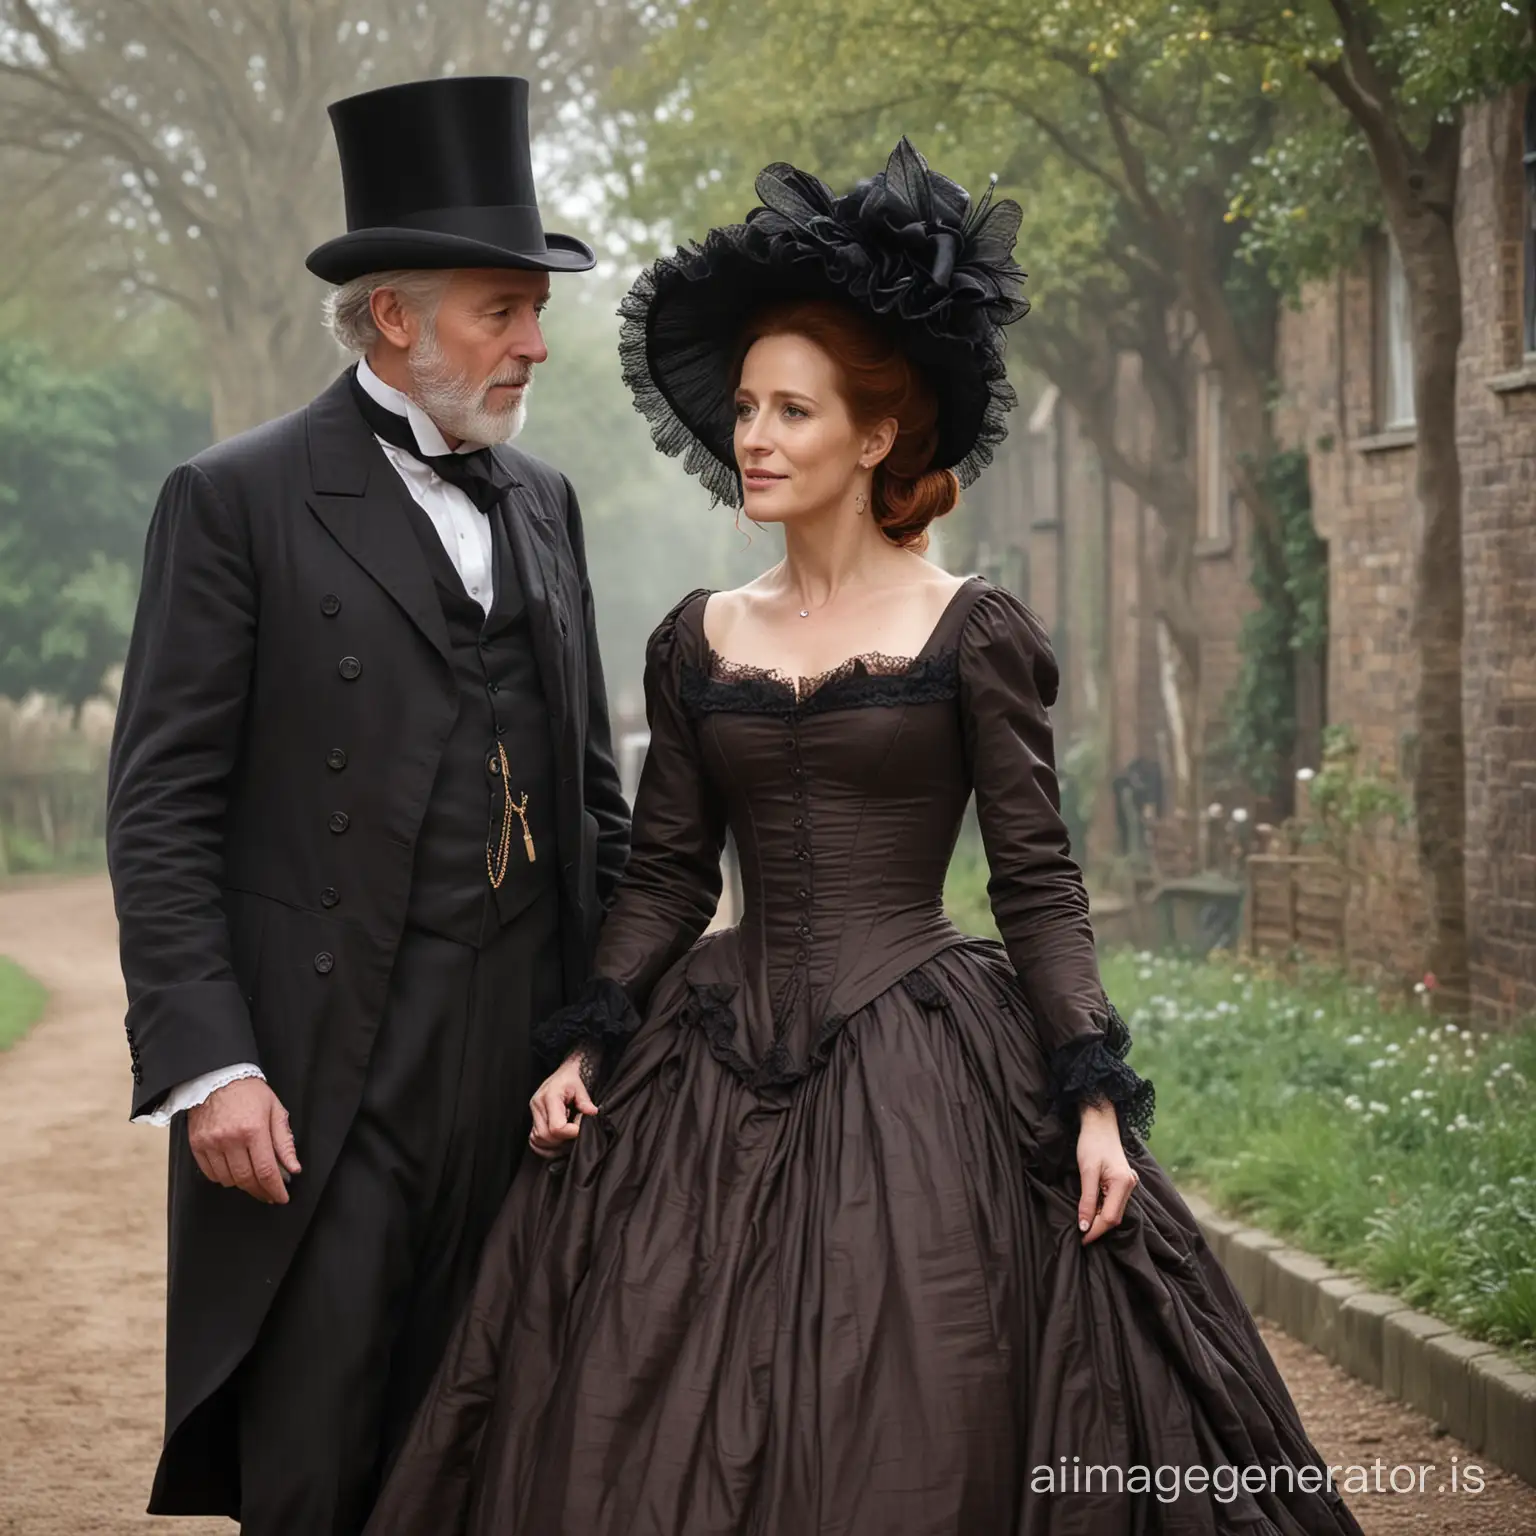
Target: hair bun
{"x":905,"y":505}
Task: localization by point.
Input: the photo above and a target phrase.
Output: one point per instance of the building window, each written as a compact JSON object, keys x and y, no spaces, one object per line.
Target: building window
{"x":1530,"y":224}
{"x":1215,"y":493}
{"x":1394,"y":341}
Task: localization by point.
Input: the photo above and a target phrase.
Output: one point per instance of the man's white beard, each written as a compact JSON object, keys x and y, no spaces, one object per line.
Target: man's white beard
{"x":458,"y":404}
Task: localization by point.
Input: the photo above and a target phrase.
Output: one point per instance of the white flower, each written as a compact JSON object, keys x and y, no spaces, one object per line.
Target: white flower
{"x":1354,"y":1040}
{"x":1305,"y":775}
{"x":1239,"y":815}
{"x":1378,"y":1109}
{"x":1352,"y":1101}
{"x":1392,"y":1048}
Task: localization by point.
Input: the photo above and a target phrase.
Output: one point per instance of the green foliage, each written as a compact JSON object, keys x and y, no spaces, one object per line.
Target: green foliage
{"x":21,"y":1003}
{"x":1305,"y":202}
{"x":1291,"y":583}
{"x":965,"y":890}
{"x":1082,"y":781}
{"x":82,"y":456}
{"x":1349,"y":800}
{"x":1370,"y":1134}
{"x":1024,"y":91}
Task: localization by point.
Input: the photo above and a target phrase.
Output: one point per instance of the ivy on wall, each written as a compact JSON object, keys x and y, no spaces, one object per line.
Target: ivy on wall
{"x":1291,"y":582}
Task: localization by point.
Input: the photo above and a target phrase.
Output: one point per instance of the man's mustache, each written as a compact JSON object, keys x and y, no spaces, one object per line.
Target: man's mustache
{"x":518,"y":380}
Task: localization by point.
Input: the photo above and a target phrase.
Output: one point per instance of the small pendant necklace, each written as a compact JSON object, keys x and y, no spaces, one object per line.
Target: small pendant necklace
{"x":805,"y":613}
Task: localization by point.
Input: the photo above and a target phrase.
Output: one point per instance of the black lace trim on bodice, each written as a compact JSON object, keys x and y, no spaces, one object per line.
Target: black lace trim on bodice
{"x":708,"y":1009}
{"x":1086,"y":1071}
{"x":869,"y":681}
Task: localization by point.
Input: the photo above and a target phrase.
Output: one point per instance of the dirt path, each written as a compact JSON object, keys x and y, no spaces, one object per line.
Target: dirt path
{"x":82,"y":1241}
{"x":82,"y":1238}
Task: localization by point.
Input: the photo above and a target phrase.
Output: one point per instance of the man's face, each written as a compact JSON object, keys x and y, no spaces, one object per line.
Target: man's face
{"x":471,"y":363}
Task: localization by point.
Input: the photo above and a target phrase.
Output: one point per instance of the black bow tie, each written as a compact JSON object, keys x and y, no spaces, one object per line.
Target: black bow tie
{"x":478,"y":474}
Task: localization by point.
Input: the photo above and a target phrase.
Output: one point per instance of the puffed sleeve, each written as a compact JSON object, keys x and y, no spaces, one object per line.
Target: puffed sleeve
{"x":672,"y":881}
{"x":1009,"y":680}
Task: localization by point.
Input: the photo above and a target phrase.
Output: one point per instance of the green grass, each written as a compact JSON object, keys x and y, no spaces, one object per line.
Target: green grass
{"x":21,"y":1003}
{"x":1398,"y":1147}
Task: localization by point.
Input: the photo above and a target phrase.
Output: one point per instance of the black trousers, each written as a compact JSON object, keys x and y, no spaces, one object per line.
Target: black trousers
{"x":356,"y":1331}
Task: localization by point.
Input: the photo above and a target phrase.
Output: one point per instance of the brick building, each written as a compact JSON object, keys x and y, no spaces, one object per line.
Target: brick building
{"x":1080,"y":549}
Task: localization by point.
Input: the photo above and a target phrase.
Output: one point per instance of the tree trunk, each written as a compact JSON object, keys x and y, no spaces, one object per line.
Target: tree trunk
{"x":268,"y":358}
{"x":1418,"y":185}
{"x":1164,"y":480}
{"x":1430,"y":264}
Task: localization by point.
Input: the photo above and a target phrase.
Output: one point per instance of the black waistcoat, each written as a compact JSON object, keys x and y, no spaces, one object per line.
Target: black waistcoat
{"x":501,"y":702}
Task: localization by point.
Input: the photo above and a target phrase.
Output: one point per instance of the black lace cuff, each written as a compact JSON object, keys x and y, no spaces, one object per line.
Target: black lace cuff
{"x":602,"y":1018}
{"x":1092,"y":1069}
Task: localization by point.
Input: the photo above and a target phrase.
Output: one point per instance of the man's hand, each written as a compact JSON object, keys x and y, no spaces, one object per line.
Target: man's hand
{"x":240,"y":1138}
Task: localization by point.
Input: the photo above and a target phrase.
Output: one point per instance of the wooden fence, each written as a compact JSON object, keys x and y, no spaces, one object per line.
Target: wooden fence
{"x":1297,"y":905}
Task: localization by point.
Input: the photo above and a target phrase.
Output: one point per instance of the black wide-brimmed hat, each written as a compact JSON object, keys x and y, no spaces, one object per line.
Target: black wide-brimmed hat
{"x":907,"y":246}
{"x":439,"y":174}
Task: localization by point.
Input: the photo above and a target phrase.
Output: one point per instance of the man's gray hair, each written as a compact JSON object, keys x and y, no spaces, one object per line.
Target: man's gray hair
{"x":349,"y":307}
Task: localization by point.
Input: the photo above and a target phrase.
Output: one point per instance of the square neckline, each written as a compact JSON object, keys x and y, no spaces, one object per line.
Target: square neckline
{"x":802,"y":688}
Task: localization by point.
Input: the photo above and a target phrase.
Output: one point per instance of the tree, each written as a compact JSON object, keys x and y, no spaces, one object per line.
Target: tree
{"x":1123,"y":158}
{"x":81,"y":460}
{"x":1399,"y":73}
{"x":183,"y":147}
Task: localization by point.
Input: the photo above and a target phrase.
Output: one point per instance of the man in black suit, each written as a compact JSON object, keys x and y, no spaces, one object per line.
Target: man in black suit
{"x":364,"y":821}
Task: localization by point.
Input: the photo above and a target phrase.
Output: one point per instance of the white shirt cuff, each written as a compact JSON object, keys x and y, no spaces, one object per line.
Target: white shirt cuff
{"x":190,"y":1094}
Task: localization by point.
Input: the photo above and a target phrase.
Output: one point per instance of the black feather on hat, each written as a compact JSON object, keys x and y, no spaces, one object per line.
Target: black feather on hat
{"x":906,"y":245}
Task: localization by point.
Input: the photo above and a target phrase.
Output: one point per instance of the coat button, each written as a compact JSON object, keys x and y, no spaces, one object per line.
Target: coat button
{"x":336,"y":759}
{"x":328,"y":897}
{"x":350,"y":668}
{"x":324,"y":962}
{"x":493,"y":687}
{"x":330,"y":605}
{"x":493,"y":765}
{"x":340,"y":821}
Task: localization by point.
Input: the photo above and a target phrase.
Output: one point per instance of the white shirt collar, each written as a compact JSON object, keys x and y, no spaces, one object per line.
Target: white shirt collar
{"x":428,"y":438}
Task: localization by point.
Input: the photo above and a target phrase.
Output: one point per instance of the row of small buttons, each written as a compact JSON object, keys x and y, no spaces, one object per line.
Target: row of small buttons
{"x":802,"y":843}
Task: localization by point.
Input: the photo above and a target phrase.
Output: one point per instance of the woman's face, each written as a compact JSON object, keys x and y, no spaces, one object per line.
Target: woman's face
{"x":798,"y":449}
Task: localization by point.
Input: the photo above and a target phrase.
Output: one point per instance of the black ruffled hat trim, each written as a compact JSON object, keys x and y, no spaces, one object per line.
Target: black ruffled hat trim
{"x":905,"y":245}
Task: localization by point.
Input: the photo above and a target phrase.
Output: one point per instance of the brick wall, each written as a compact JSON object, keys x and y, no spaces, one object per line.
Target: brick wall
{"x":1497,"y":431}
{"x":1362,"y":498}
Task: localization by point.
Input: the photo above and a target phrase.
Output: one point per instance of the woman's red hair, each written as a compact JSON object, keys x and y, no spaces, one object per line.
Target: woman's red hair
{"x":878,"y":381}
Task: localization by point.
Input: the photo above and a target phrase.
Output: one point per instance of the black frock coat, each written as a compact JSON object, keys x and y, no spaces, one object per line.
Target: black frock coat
{"x":285,"y":702}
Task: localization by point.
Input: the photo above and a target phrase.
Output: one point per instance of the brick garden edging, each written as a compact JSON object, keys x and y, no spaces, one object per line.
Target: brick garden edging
{"x":1481,"y":1396}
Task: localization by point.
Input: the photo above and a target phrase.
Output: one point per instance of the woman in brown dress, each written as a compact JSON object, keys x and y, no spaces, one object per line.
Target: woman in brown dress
{"x":863,"y":1238}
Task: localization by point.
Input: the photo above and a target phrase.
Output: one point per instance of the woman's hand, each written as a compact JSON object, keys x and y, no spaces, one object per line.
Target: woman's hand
{"x":1104,"y":1171}
{"x":559,"y":1106}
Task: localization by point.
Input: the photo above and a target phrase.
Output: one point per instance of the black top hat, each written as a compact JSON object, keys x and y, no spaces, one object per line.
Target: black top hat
{"x":907,"y":246}
{"x":438,"y":174}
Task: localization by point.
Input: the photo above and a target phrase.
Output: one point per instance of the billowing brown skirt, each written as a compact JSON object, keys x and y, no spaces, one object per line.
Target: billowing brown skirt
{"x":856,"y":1306}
